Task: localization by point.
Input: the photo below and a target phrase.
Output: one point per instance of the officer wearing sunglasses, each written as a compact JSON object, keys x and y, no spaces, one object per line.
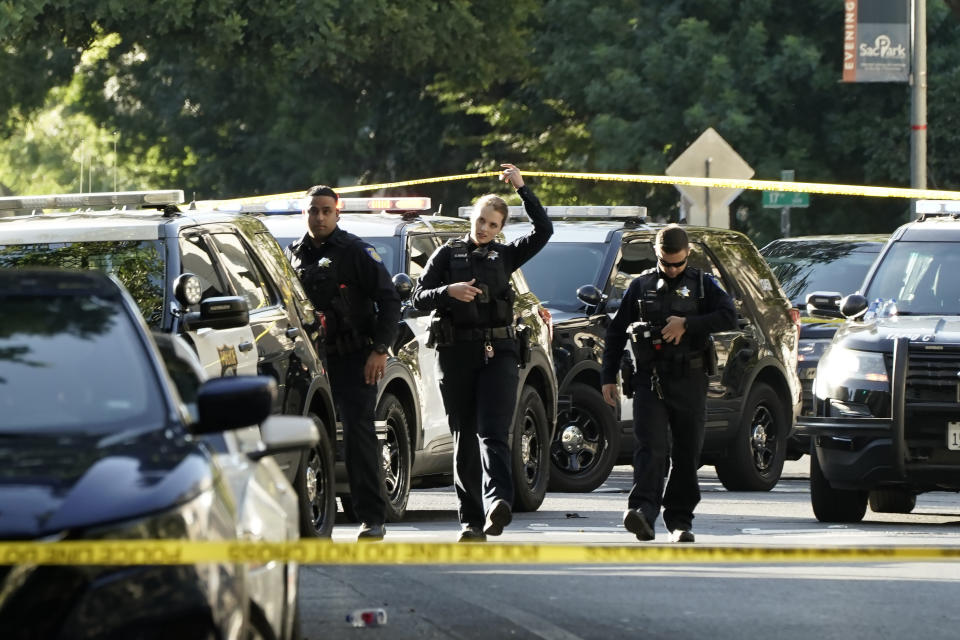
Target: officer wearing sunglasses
{"x":668,"y":313}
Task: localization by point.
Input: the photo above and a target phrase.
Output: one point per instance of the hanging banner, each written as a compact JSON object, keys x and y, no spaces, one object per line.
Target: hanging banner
{"x":876,"y":40}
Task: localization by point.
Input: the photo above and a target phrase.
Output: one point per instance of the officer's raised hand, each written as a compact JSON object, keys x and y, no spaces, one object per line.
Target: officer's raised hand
{"x":512,"y":175}
{"x":463,"y":291}
{"x":611,"y":394}
{"x":674,"y":329}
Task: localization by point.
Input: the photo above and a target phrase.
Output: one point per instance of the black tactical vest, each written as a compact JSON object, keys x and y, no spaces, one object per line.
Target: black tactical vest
{"x":493,"y":308}
{"x":333,"y":288}
{"x":658,"y":302}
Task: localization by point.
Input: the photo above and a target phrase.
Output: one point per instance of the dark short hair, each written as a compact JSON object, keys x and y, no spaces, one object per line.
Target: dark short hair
{"x":672,"y":238}
{"x":322,"y":190}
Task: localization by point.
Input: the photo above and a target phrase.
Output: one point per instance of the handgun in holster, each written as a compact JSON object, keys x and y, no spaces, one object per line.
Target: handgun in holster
{"x":626,"y":375}
{"x":524,"y":350}
{"x":439,"y":331}
{"x":710,"y":357}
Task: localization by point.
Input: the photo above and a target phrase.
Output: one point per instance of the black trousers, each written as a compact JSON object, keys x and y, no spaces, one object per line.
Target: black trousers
{"x":479,"y":397}
{"x":681,"y":414}
{"x":356,"y":405}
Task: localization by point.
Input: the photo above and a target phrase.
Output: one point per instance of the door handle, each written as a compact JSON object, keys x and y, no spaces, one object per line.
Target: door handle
{"x":292,"y":332}
{"x":245,"y":346}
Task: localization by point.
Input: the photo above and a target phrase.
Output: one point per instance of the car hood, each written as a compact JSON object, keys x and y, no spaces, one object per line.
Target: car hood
{"x":880,"y":334}
{"x":557,"y":316}
{"x":50,"y":484}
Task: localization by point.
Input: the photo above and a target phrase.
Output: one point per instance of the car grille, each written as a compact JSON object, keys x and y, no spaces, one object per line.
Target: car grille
{"x":933,"y":377}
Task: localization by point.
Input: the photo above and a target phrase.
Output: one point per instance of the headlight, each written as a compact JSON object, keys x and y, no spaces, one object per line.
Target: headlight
{"x":811,"y":349}
{"x":845,"y":367}
{"x":193,"y":520}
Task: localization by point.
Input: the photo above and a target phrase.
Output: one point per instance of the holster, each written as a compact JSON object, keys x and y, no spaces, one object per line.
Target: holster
{"x":626,"y":375}
{"x":710,"y":357}
{"x":524,"y":351}
{"x":440,"y":331}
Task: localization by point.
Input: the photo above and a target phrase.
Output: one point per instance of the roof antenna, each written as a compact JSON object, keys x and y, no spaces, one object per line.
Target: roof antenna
{"x":439,"y":209}
{"x":193,"y":203}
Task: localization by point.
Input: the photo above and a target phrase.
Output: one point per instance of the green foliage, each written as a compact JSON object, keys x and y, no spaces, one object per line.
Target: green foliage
{"x":234,"y":97}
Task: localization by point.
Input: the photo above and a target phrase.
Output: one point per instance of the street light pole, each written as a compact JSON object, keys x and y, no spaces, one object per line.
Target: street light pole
{"x":115,"y":134}
{"x":918,"y":101}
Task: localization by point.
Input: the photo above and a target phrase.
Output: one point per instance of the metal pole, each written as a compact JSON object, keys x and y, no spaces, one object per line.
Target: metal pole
{"x":115,"y":134}
{"x":918,"y":101}
{"x":785,"y":222}
{"x":706,"y":171}
{"x":83,"y":151}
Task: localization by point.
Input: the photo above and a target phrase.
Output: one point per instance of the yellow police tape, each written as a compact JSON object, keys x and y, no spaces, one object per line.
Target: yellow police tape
{"x":758,"y":185}
{"x":176,"y":552}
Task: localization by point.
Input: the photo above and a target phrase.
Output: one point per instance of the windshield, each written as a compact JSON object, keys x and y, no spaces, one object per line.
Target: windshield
{"x":805,"y":267}
{"x":138,"y":264}
{"x":921,"y":277}
{"x":560,"y":268}
{"x":73,"y":363}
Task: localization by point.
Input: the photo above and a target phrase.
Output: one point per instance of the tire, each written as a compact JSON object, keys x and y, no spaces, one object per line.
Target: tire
{"x":833,"y":505}
{"x":892,"y":501}
{"x":315,"y":487}
{"x":396,"y":457}
{"x":530,"y":452}
{"x":755,"y":459}
{"x":582,"y":462}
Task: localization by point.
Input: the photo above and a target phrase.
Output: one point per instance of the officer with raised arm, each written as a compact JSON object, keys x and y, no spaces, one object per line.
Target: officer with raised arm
{"x":668,"y":313}
{"x":358,"y":310}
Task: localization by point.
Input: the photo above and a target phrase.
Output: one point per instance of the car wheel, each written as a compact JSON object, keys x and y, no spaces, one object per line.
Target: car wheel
{"x":315,"y":487}
{"x":892,"y":501}
{"x":586,"y":444}
{"x":755,"y":459}
{"x":834,"y":505}
{"x":396,"y":456}
{"x":530,"y":452}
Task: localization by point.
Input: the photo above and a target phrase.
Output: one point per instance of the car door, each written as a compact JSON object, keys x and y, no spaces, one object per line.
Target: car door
{"x":273,"y":334}
{"x":222,"y":352}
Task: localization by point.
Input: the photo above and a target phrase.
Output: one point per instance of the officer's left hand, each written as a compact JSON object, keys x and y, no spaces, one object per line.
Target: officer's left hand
{"x":373,"y":371}
{"x":674,"y":329}
{"x":512,"y":175}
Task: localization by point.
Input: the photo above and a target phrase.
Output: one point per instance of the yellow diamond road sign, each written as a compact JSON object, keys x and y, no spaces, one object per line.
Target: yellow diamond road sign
{"x":710,"y":156}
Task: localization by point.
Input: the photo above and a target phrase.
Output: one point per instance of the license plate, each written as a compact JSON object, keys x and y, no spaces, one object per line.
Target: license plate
{"x":953,"y":436}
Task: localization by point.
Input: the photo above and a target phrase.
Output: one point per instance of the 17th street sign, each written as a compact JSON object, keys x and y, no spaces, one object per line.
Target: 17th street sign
{"x":777,"y":199}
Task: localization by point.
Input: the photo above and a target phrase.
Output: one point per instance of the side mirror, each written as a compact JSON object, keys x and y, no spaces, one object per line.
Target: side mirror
{"x":219,"y":312}
{"x":590,"y":295}
{"x":233,"y":402}
{"x":824,"y":304}
{"x":404,"y":286}
{"x":853,"y":306}
{"x":281,"y":434}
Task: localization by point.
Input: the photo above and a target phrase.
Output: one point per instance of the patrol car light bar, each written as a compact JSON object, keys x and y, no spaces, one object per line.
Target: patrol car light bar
{"x":561,"y":212}
{"x":296,"y":205}
{"x":405,"y":203}
{"x":101,"y":199}
{"x":938,"y":206}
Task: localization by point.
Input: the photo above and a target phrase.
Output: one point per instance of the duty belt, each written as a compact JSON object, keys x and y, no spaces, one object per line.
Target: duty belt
{"x":489,"y":333}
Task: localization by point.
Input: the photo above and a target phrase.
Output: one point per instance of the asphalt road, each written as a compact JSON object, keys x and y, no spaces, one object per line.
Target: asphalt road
{"x":721,"y":600}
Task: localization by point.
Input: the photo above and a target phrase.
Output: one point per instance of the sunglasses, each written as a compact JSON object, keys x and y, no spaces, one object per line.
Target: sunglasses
{"x":675,"y":265}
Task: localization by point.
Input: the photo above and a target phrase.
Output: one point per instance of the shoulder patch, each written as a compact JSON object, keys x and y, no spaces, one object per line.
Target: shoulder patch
{"x":373,"y":254}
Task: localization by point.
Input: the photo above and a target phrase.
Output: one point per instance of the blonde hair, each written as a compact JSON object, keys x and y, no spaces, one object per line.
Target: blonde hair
{"x":494,"y":201}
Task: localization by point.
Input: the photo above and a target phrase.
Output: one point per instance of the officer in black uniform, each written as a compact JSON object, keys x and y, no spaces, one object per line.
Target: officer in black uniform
{"x":467,"y":282}
{"x":358,"y":310}
{"x":668,"y":312}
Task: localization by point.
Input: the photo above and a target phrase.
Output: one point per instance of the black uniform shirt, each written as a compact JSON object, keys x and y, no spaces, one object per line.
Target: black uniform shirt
{"x":431,"y":291}
{"x":717,"y":313}
{"x":363,"y":269}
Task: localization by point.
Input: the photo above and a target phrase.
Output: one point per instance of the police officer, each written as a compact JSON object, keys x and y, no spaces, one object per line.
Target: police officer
{"x":358,"y":310}
{"x":669,"y":312}
{"x":467,"y":282}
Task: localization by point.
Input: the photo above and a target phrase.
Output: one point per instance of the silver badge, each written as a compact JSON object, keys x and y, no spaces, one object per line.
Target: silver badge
{"x":683,"y":292}
{"x":323,"y":262}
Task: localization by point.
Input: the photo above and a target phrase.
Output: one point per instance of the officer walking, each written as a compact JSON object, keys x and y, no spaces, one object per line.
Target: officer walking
{"x":467,"y":282}
{"x":669,"y":312}
{"x":358,"y":309}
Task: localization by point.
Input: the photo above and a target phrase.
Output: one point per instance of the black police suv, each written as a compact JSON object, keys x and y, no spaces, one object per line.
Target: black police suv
{"x":805,"y":264}
{"x":886,"y":423}
{"x":97,"y":444}
{"x":418,"y":450}
{"x":581,"y":276}
{"x":220,"y":280}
